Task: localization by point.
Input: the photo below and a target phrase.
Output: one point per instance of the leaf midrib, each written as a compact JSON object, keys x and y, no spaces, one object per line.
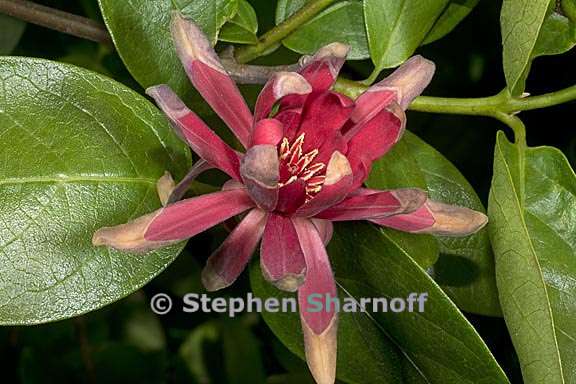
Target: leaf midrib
{"x":520,"y":207}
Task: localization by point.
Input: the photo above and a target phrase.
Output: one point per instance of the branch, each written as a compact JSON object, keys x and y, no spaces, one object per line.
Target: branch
{"x":54,"y":19}
{"x":282,"y":30}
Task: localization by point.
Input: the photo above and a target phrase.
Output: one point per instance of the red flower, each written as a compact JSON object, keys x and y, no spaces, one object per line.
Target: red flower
{"x":308,"y":151}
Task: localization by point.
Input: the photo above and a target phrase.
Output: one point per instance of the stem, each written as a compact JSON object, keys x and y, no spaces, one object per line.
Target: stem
{"x":54,"y":19}
{"x":282,"y":30}
{"x":85,"y":349}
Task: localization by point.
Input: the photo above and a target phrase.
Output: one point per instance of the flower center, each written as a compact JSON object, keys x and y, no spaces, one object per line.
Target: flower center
{"x":295,"y":164}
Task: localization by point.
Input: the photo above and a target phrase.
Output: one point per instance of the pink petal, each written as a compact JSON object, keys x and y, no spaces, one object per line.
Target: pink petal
{"x":200,"y":137}
{"x":281,"y":258}
{"x":280,"y":85}
{"x":189,"y":217}
{"x":375,"y":206}
{"x":319,"y":328}
{"x":437,"y":219}
{"x":209,"y":77}
{"x":267,"y":131}
{"x":260,"y":173}
{"x":374,"y":139}
{"x":182,"y":187}
{"x":408,"y":81}
{"x":325,"y":229}
{"x":321,"y":70}
{"x":336,"y":186}
{"x":229,"y":260}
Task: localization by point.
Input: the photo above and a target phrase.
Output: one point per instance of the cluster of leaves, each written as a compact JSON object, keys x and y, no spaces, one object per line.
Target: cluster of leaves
{"x":81,"y":151}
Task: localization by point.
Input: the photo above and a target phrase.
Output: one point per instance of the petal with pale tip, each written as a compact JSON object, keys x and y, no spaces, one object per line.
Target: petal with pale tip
{"x":260,"y":171}
{"x":203,"y":141}
{"x":226,"y":263}
{"x":189,"y":217}
{"x":319,"y":327}
{"x":164,"y":187}
{"x":408,"y":81}
{"x":321,"y":70}
{"x":205,"y":71}
{"x":130,"y":236}
{"x":375,"y":205}
{"x":336,"y":186}
{"x":437,"y":219}
{"x":280,"y":85}
{"x":281,"y":259}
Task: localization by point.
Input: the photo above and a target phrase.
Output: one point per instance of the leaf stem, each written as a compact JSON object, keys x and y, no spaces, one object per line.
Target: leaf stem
{"x":281,"y":31}
{"x":55,"y":19}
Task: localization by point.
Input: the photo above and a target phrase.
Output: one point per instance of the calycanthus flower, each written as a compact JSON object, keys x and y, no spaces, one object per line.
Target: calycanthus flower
{"x":308,"y":152}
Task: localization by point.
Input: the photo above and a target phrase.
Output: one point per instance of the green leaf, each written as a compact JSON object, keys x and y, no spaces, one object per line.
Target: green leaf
{"x":454,"y":13}
{"x":210,"y":15}
{"x":79,"y":152}
{"x":286,"y":8}
{"x":140,"y":30}
{"x":396,"y":28}
{"x":342,"y":22}
{"x":558,"y":35}
{"x":242,"y":357}
{"x":532,"y":211}
{"x":243,"y":27}
{"x":12,"y":30}
{"x":435,"y":346}
{"x":465,"y":269}
{"x":521,"y":22}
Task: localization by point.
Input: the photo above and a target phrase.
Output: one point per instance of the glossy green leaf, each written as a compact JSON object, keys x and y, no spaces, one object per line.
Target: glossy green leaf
{"x":396,"y":28}
{"x":140,"y":30}
{"x":286,"y":8}
{"x":243,"y":27}
{"x":12,"y":30}
{"x":465,"y":268}
{"x":454,"y":13}
{"x":210,"y":15}
{"x":79,"y":152}
{"x":521,"y":22}
{"x":435,"y":346}
{"x":342,"y":22}
{"x":532,"y":211}
{"x":558,"y":35}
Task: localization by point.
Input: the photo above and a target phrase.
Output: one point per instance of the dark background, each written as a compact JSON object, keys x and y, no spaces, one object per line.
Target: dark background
{"x":127,"y":343}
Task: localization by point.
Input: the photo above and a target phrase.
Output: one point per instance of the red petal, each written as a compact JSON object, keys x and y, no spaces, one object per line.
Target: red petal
{"x":281,"y":258}
{"x":189,"y":217}
{"x":373,"y":140}
{"x":200,"y":137}
{"x":322,"y":117}
{"x":319,"y":328}
{"x":209,"y":77}
{"x":325,"y":229}
{"x":291,"y":196}
{"x":260,"y":172}
{"x":280,"y":85}
{"x":321,"y":70}
{"x":267,"y":131}
{"x":290,"y":119}
{"x":376,"y":205}
{"x":229,"y":260}
{"x":336,"y":186}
